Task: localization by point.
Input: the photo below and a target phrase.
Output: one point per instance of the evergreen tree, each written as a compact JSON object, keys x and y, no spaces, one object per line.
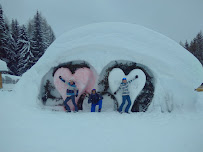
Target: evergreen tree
{"x":48,"y":35}
{"x":186,"y":45}
{"x":30,"y":29}
{"x":15,"y":32}
{"x":193,"y":46}
{"x":199,"y":46}
{"x":37,"y":44}
{"x":10,"y":52}
{"x":25,"y":54}
{"x":41,"y":35}
{"x":21,"y":48}
{"x":196,"y":47}
{"x":6,"y":51}
{"x":3,"y":47}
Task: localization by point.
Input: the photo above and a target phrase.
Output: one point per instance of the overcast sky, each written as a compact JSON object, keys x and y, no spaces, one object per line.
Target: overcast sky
{"x":177,"y":19}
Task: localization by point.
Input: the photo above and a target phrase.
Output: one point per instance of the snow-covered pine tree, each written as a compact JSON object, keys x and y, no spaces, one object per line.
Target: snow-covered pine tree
{"x":196,"y":47}
{"x":6,"y":52}
{"x":51,"y":35}
{"x":37,"y":44}
{"x":193,"y":47}
{"x":30,"y":28}
{"x":25,"y":60}
{"x":10,"y":52}
{"x":186,"y":45}
{"x":48,"y":34}
{"x":41,"y":35}
{"x":15,"y":31}
{"x":3,"y":36}
{"x":199,"y":46}
{"x":45,"y":33}
{"x":17,"y":50}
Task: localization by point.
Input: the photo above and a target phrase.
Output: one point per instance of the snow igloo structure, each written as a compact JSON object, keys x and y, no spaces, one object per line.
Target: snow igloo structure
{"x":100,"y":55}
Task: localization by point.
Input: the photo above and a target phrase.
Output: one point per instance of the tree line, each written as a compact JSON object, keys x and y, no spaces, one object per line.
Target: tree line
{"x":21,"y":46}
{"x":195,"y":46}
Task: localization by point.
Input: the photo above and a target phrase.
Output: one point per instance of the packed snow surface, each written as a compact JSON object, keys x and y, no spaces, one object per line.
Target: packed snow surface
{"x":30,"y":129}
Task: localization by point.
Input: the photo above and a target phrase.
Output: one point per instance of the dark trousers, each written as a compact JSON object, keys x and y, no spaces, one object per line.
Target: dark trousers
{"x":73,"y":101}
{"x":127,"y":97}
{"x":94,"y":105}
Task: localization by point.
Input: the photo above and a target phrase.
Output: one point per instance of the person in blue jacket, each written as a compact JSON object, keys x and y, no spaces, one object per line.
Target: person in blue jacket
{"x":125,"y":93}
{"x":71,"y":92}
{"x":95,"y":99}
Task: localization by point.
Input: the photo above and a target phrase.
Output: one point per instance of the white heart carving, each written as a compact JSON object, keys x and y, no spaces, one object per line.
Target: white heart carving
{"x":115,"y":79}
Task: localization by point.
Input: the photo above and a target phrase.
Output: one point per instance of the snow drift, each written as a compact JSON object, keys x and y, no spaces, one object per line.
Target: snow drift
{"x":3,"y":66}
{"x":174,"y":72}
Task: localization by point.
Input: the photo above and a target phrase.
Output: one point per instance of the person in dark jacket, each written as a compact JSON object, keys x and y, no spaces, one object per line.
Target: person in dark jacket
{"x":95,"y":99}
{"x":71,"y":92}
{"x":125,"y":94}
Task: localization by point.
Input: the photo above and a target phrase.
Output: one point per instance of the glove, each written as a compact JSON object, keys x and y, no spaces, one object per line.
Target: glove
{"x":76,"y":95}
{"x":60,"y":77}
{"x":136,"y":76}
{"x":114,"y":93}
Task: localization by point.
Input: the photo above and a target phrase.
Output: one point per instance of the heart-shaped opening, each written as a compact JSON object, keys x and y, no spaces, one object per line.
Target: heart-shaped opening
{"x":135,"y":87}
{"x":53,"y":90}
{"x":143,"y":97}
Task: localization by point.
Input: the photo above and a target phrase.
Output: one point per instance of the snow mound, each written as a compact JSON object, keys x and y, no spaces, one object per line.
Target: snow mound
{"x":175,"y":71}
{"x":3,"y":66}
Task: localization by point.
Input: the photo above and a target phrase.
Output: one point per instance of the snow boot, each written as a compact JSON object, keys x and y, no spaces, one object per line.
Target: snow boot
{"x":99,"y":110}
{"x":66,"y":110}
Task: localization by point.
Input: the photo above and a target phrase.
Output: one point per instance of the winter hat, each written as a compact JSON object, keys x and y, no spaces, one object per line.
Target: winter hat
{"x":94,"y":90}
{"x":124,"y":79}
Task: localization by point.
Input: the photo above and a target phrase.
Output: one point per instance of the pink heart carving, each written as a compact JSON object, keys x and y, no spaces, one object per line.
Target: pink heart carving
{"x":84,"y":79}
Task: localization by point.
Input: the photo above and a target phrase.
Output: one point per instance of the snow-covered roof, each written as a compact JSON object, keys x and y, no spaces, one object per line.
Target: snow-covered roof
{"x":3,"y":66}
{"x":176,"y":71}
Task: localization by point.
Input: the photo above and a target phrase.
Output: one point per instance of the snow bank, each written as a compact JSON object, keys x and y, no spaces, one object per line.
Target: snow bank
{"x":3,"y":66}
{"x":175,"y":71}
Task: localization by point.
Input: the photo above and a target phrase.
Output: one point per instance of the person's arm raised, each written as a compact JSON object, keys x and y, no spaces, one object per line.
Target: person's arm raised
{"x":136,"y":77}
{"x":62,"y":79}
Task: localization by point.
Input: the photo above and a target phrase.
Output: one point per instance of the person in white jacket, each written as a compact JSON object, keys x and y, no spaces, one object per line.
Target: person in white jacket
{"x":125,"y":93}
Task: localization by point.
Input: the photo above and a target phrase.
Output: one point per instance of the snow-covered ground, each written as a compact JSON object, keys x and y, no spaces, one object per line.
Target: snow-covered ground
{"x":31,"y":129}
{"x":9,"y":82}
{"x":7,"y":87}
